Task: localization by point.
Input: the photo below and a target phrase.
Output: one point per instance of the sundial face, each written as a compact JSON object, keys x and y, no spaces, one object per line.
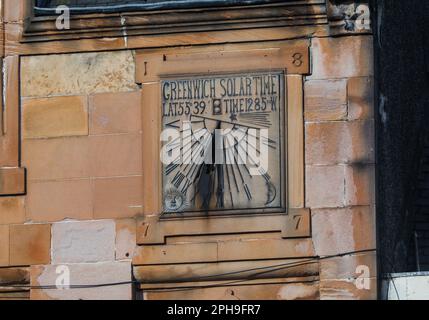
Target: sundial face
{"x":223,"y":143}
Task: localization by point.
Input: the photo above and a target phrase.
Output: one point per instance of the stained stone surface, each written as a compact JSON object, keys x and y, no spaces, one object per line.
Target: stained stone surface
{"x":78,"y":74}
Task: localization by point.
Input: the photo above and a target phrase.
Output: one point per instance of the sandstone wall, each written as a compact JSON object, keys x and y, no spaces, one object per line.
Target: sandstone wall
{"x":81,"y":143}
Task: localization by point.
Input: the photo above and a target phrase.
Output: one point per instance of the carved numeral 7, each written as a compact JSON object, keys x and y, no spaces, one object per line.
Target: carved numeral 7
{"x":297,"y":219}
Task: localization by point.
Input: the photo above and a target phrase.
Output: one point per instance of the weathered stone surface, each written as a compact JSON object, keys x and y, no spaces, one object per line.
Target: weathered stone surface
{"x":62,"y":158}
{"x":360,"y":185}
{"x":347,"y":290}
{"x":337,"y":231}
{"x":125,"y":238}
{"x":227,"y":271}
{"x":14,"y":275}
{"x":360,"y":93}
{"x":342,"y":57}
{"x":118,"y":197}
{"x":115,"y":113}
{"x":4,"y":246}
{"x":77,"y":74}
{"x":84,"y":274}
{"x":340,"y":142}
{"x":276,"y":291}
{"x":324,"y":186}
{"x":347,"y":267}
{"x":12,"y":210}
{"x":116,"y":155}
{"x":264,"y":249}
{"x":30,"y":244}
{"x":55,"y":117}
{"x":50,"y":201}
{"x":224,"y":251}
{"x":10,"y":280}
{"x":299,"y":291}
{"x":325,"y":100}
{"x":82,"y":242}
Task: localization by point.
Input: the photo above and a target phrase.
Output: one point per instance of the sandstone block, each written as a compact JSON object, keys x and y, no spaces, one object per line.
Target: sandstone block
{"x":348,"y":267}
{"x":50,"y":201}
{"x":116,"y":155}
{"x":115,"y":113}
{"x":255,"y":292}
{"x":83,"y":242}
{"x":324,"y":186}
{"x":55,"y":117}
{"x":339,"y":142}
{"x":347,"y":290}
{"x":342,"y":57}
{"x":84,"y":274}
{"x":360,"y":96}
{"x":12,"y":181}
{"x":337,"y":231}
{"x":12,"y":210}
{"x":360,"y":185}
{"x":30,"y":244}
{"x":53,"y":159}
{"x":78,"y":74}
{"x":118,"y":197}
{"x":325,"y":100}
{"x":4,"y":246}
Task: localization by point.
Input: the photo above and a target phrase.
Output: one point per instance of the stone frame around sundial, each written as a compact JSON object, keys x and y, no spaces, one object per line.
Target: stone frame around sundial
{"x":292,"y":58}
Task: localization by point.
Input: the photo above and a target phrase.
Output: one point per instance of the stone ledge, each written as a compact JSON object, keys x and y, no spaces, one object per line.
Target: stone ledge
{"x":295,"y":224}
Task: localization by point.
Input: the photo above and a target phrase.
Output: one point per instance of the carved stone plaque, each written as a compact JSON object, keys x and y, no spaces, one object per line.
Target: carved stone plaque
{"x":223,"y":143}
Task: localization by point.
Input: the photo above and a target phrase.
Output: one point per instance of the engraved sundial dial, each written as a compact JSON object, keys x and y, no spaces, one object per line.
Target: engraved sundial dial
{"x":226,"y":147}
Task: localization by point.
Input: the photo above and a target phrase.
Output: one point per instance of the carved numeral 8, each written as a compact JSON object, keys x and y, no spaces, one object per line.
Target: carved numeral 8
{"x":297,"y":59}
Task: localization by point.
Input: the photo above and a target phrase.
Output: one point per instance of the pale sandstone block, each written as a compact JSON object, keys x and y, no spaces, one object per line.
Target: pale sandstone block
{"x":360,"y":92}
{"x":126,"y":235}
{"x":325,"y":100}
{"x":62,"y":158}
{"x":4,"y":246}
{"x":360,"y":185}
{"x":324,"y":186}
{"x":342,"y":57}
{"x":12,"y":210}
{"x":339,"y":142}
{"x":78,"y":74}
{"x":84,"y":274}
{"x":115,"y":113}
{"x":51,"y":201}
{"x":55,"y":117}
{"x":83,"y":242}
{"x":337,"y":231}
{"x":30,"y":244}
{"x":118,"y":197}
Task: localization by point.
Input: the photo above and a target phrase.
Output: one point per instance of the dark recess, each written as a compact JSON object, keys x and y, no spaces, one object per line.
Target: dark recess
{"x":402,"y":116}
